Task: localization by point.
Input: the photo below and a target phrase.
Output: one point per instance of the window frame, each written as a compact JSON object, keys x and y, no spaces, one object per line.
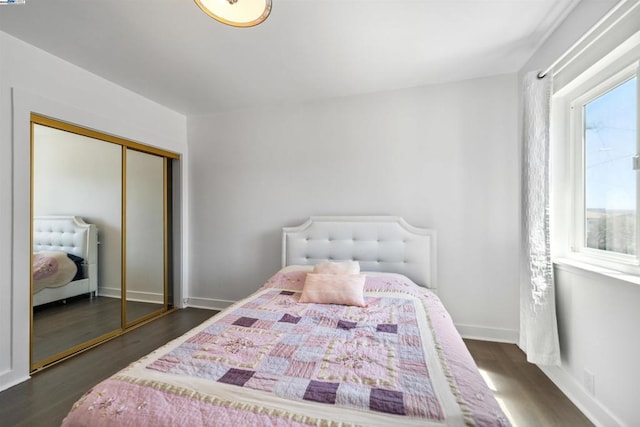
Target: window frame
{"x":576,"y":100}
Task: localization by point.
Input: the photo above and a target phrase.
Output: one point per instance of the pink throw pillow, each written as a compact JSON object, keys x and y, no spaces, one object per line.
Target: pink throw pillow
{"x":344,"y":289}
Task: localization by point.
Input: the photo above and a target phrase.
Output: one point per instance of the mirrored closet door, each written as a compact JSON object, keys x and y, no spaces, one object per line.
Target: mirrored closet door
{"x":145,"y":225}
{"x":77,"y":241}
{"x":101,"y":247}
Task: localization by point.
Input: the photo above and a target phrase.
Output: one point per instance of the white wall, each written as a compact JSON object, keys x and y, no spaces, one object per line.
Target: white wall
{"x":598,"y":321}
{"x":597,"y":315}
{"x":443,"y":157}
{"x":32,"y":80}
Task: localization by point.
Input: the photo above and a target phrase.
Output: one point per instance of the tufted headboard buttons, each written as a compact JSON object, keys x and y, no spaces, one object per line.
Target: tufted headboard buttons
{"x":68,"y":234}
{"x":378,"y":243}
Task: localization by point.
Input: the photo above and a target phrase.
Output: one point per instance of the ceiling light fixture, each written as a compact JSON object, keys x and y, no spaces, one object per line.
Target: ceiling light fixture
{"x":237,"y":13}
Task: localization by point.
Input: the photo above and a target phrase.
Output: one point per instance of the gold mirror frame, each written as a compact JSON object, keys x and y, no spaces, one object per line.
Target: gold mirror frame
{"x":125,"y":144}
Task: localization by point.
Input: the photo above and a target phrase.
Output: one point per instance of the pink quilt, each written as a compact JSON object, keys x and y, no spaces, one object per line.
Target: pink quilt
{"x":270,"y":360}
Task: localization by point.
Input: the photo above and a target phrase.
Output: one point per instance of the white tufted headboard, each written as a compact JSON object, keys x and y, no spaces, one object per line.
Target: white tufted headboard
{"x":378,"y":243}
{"x":68,"y":234}
{"x":72,"y":235}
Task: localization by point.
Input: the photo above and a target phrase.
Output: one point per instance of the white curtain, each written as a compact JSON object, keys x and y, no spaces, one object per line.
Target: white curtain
{"x":538,"y":325}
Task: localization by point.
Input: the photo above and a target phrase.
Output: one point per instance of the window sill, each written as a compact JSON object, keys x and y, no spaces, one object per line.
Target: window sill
{"x":580,"y":267}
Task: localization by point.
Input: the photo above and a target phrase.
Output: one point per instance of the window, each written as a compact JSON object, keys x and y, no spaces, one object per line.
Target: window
{"x":604,"y":122}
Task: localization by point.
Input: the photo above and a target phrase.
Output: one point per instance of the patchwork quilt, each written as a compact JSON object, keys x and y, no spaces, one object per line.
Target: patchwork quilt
{"x":270,"y":360}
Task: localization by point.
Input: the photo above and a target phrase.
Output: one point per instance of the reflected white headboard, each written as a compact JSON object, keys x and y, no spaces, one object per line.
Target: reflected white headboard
{"x":378,"y":243}
{"x":68,"y":234}
{"x":72,"y":235}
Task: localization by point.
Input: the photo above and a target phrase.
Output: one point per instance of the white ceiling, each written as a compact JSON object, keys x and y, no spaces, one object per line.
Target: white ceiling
{"x":171,"y":52}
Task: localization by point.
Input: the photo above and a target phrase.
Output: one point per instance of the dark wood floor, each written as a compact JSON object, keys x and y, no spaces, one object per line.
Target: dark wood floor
{"x":527,"y":396}
{"x":62,"y":325}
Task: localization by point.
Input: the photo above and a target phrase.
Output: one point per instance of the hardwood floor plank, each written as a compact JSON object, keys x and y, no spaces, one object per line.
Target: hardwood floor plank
{"x":528,"y":397}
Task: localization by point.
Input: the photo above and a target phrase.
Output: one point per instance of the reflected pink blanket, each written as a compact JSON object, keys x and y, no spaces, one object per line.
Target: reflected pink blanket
{"x":270,"y":360}
{"x":51,"y":270}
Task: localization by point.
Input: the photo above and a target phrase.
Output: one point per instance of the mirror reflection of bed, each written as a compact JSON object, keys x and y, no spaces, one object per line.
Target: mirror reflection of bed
{"x":68,"y":309}
{"x":65,"y":285}
{"x":88,"y":196}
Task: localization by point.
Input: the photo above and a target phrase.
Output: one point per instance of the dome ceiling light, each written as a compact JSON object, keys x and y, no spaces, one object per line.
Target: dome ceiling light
{"x":237,"y":13}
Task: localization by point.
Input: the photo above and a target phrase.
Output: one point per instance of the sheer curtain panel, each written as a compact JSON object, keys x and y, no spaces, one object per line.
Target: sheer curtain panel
{"x":538,"y":325}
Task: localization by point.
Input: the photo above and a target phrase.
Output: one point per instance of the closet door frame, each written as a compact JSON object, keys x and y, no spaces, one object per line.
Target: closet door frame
{"x":168,"y":158}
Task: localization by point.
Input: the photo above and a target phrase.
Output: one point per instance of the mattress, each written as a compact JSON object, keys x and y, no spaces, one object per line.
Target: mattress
{"x":271,"y":360}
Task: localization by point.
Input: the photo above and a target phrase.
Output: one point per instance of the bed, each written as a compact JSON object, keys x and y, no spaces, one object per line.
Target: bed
{"x":65,"y":258}
{"x":386,"y":354}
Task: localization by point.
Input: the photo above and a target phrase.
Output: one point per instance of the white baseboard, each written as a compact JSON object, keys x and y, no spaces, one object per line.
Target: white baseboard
{"x":208,"y":303}
{"x":11,"y":383}
{"x":590,"y":407}
{"x":150,"y":297}
{"x":109,"y":292}
{"x":482,"y":333}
